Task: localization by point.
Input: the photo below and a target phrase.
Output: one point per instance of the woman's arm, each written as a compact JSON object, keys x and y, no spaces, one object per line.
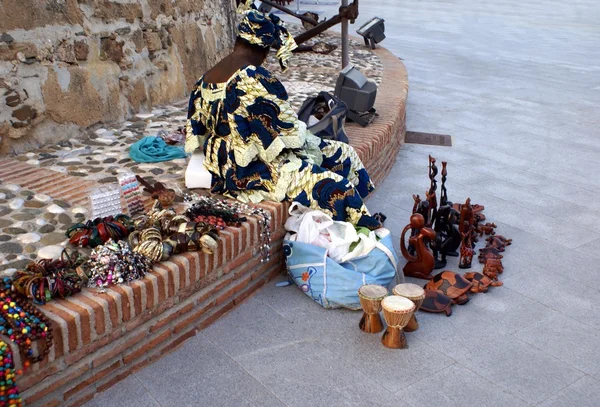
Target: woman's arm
{"x":280,"y":2}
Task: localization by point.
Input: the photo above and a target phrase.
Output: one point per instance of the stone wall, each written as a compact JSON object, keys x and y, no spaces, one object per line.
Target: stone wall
{"x":66,"y":65}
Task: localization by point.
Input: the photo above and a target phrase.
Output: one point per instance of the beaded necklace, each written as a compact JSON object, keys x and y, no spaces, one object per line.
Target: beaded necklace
{"x":9,"y":393}
{"x":235,"y":208}
{"x":23,"y":324}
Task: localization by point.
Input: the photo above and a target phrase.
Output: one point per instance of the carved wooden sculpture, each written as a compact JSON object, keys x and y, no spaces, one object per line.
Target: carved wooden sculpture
{"x":431,"y":195}
{"x":492,"y":268}
{"x":487,"y":229}
{"x":444,"y":192}
{"x":158,"y":191}
{"x":451,"y":284}
{"x":484,"y":257}
{"x":480,"y":282}
{"x":496,"y":244}
{"x":421,"y":264}
{"x":493,"y":250}
{"x":446,"y":225}
{"x":466,"y":251}
{"x":500,"y":238}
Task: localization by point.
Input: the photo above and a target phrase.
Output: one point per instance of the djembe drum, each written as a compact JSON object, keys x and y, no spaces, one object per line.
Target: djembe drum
{"x":414,"y":293}
{"x":397,"y":312}
{"x":370,"y":297}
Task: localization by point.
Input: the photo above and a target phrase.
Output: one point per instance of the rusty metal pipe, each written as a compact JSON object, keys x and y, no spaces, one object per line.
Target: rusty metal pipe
{"x":290,"y":12}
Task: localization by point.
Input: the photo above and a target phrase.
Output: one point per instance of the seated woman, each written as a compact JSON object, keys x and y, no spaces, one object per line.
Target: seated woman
{"x":255,"y":147}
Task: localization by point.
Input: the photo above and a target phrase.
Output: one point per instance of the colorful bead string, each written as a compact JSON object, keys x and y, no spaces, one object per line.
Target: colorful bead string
{"x":9,"y":392}
{"x":23,"y":323}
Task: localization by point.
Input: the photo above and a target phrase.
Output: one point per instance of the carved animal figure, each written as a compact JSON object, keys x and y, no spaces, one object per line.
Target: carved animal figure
{"x":487,"y":229}
{"x":483,"y":257}
{"x":421,"y":264}
{"x":436,"y":301}
{"x":493,"y":250}
{"x":451,"y":284}
{"x":500,"y":238}
{"x":480,"y":282}
{"x":492,"y":268}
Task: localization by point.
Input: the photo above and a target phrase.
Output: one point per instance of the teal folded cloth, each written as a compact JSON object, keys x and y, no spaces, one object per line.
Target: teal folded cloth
{"x":153,"y":150}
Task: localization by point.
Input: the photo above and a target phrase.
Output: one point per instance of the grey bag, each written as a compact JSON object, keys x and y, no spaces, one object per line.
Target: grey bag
{"x":332,"y":114}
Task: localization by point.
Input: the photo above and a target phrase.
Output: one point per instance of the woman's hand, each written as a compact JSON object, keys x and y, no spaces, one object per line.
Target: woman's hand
{"x":280,"y":2}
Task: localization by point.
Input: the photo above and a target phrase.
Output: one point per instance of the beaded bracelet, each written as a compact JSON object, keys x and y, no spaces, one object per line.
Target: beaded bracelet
{"x":99,"y":231}
{"x":46,"y":279}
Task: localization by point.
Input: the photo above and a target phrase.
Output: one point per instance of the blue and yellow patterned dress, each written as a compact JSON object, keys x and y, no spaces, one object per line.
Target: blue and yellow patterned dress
{"x":256,"y":149}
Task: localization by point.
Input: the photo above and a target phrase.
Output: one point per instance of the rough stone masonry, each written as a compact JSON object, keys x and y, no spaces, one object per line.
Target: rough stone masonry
{"x":66,"y":65}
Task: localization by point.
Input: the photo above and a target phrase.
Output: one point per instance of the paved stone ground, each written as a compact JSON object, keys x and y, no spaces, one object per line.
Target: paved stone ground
{"x":517,"y":85}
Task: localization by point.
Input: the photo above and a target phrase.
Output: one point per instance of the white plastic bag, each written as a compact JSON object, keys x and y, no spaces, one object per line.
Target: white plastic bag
{"x":317,"y":228}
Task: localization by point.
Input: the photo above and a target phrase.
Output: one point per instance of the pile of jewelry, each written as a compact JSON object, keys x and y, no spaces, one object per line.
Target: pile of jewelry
{"x":215,"y":214}
{"x":99,"y":231}
{"x":46,"y":279}
{"x":115,"y":263}
{"x":162,"y":233}
{"x":235,"y":209}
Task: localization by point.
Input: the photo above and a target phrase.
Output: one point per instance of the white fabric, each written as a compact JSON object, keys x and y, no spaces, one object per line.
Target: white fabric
{"x":196,"y":176}
{"x":315,"y":227}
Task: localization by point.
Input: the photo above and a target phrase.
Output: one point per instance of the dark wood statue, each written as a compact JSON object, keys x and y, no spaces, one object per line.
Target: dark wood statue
{"x":447,"y":226}
{"x":431,"y":195}
{"x":444,"y":192}
{"x":421,"y":264}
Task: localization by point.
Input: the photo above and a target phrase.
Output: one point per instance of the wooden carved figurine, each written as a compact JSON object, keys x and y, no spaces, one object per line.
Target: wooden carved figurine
{"x":158,"y":191}
{"x":444,"y":192}
{"x":484,"y":257}
{"x":431,"y":195}
{"x":480,"y":282}
{"x":496,"y":244}
{"x":451,"y":284}
{"x":466,"y":251}
{"x":492,"y":249}
{"x":493,"y":268}
{"x":421,"y":264}
{"x":487,"y":229}
{"x":446,"y":225}
{"x":500,"y":238}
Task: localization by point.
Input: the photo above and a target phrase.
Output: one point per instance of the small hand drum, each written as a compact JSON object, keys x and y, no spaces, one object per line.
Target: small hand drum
{"x":397,"y":312}
{"x":414,"y":293}
{"x":370,"y":297}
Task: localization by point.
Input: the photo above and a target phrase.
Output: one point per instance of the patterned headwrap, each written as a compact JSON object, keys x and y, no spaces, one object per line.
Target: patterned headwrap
{"x":266,"y":31}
